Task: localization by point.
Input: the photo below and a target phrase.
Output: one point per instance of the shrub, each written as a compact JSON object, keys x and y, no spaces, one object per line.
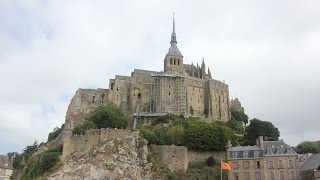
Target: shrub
{"x":54,"y":134}
{"x":211,"y":161}
{"x":81,"y":129}
{"x":48,"y":160}
{"x":108,"y":116}
{"x":172,"y":176}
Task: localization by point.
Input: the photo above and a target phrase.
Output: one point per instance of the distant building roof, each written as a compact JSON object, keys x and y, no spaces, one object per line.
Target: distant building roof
{"x":245,"y":148}
{"x":311,"y":163}
{"x":280,"y":148}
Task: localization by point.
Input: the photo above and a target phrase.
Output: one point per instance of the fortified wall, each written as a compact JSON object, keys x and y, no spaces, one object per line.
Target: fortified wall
{"x":77,"y":143}
{"x":176,"y":158}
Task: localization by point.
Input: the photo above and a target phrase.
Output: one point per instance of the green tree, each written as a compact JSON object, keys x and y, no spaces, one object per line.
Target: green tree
{"x":258,"y":128}
{"x":239,"y":116}
{"x":108,"y":116}
{"x":307,"y":147}
{"x":54,"y":134}
{"x":31,"y":148}
{"x":236,"y":126}
{"x":81,"y":129}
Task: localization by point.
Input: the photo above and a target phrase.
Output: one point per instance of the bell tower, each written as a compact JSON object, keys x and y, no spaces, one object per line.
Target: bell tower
{"x":173,"y":62}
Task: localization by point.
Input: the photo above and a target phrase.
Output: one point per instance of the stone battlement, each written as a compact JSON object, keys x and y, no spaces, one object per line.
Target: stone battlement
{"x":76,"y":143}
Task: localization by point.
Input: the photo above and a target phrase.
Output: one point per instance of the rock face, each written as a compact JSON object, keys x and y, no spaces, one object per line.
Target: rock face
{"x":120,"y":158}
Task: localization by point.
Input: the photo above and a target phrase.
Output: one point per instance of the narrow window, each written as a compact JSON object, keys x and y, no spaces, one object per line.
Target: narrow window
{"x":174,"y":61}
{"x":246,"y":164}
{"x":281,"y":173}
{"x":270,"y":164}
{"x":258,"y":164}
{"x":235,"y":165}
{"x":290,"y":163}
{"x":258,"y":176}
{"x":280,"y":164}
{"x":93,"y":99}
{"x":171,"y":61}
{"x":271,"y":175}
{"x":178,"y":62}
{"x":246,"y":176}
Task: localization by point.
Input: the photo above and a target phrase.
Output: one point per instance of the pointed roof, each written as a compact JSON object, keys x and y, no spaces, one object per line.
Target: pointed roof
{"x":174,"y":50}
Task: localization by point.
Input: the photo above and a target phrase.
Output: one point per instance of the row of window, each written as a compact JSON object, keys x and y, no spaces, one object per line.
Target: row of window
{"x":174,"y":61}
{"x":271,"y":175}
{"x":280,"y":164}
{"x":246,"y":164}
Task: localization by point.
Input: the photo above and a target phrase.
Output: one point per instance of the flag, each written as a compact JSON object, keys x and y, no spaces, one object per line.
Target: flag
{"x":228,"y":166}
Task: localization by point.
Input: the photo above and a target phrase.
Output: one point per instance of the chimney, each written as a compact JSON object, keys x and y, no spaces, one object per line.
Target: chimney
{"x":259,"y":142}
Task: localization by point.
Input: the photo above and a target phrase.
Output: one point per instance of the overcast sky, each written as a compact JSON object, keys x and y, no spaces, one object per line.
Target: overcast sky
{"x":268,"y":52}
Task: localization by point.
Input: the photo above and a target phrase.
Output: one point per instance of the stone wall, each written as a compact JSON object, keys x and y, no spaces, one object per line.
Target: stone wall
{"x":200,"y":157}
{"x":77,"y":143}
{"x":174,"y":157}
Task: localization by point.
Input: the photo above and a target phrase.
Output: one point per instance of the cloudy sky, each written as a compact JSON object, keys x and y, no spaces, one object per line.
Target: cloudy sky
{"x":268,"y":52}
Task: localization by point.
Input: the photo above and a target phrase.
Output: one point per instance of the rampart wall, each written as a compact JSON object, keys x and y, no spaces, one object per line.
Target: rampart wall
{"x":77,"y":143}
{"x":200,"y":157}
{"x":176,"y":158}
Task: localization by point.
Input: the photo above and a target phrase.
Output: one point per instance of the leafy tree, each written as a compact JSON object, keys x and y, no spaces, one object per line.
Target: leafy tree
{"x":54,"y":134}
{"x":258,"y":128}
{"x":31,"y":148}
{"x":236,"y":126}
{"x":81,"y":129}
{"x":239,"y":116}
{"x":205,"y":136}
{"x":307,"y":147}
{"x":10,"y":154}
{"x":108,"y":116}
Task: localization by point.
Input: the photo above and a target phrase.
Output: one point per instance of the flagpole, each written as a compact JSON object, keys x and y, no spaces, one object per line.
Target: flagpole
{"x":221,"y":169}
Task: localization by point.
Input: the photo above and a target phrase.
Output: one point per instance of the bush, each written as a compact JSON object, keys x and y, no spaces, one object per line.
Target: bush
{"x":54,"y":134}
{"x":205,"y":136}
{"x":81,"y":129}
{"x":172,"y":176}
{"x":48,"y":160}
{"x":163,"y":119}
{"x":108,"y":116}
{"x":211,"y":161}
{"x":36,"y":168}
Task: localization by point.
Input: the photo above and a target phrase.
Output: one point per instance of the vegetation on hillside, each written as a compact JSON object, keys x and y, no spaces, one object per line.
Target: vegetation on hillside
{"x":55,"y":133}
{"x":190,"y":132}
{"x":307,"y":147}
{"x":34,"y":166}
{"x":239,"y":116}
{"x":258,"y":128}
{"x":105,"y":116}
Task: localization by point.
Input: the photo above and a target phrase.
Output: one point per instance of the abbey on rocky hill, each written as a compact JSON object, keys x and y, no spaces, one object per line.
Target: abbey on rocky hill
{"x":180,"y":89}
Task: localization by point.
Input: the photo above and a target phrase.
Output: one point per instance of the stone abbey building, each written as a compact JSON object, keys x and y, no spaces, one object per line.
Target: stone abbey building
{"x":181,"y":89}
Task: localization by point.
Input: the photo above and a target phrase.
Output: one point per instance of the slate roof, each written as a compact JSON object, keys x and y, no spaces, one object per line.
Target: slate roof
{"x":277,"y":148}
{"x":246,"y":148}
{"x":312,"y":162}
{"x":174,"y":50}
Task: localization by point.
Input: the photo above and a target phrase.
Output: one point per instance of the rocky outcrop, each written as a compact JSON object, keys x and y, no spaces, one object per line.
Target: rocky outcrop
{"x":119,"y":158}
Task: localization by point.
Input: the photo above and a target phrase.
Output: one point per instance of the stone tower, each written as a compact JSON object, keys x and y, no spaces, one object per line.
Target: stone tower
{"x":173,"y":62}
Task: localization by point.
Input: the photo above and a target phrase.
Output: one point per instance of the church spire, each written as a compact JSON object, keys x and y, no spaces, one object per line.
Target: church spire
{"x":173,"y":35}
